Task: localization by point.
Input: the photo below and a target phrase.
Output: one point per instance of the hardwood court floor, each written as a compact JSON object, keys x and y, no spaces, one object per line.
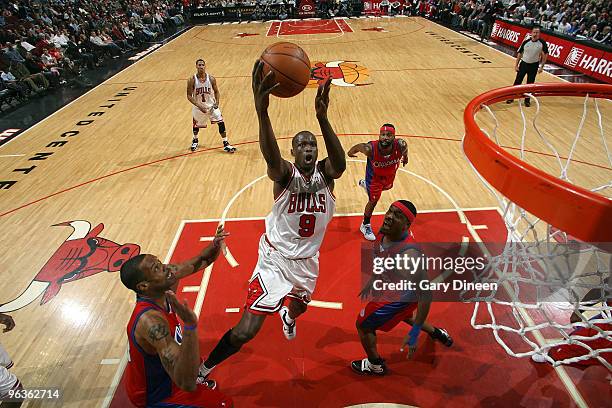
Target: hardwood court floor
{"x":118,"y":156}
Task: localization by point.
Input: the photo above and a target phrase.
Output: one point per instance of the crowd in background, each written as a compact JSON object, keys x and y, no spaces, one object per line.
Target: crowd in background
{"x":588,"y":20}
{"x":47,"y":43}
{"x":51,"y":43}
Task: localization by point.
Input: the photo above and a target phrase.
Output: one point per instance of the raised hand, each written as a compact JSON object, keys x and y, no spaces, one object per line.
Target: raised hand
{"x":262,"y":86}
{"x":219,"y":239}
{"x":182,"y":309}
{"x":322,"y":98}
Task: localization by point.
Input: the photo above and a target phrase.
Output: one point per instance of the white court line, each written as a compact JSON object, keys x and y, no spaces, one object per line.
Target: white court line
{"x":480,"y":227}
{"x":110,"y":361}
{"x":326,"y":305}
{"x":12,"y":155}
{"x":270,"y":28}
{"x":191,"y":289}
{"x":233,"y":310}
{"x":206,"y":239}
{"x":202,"y":292}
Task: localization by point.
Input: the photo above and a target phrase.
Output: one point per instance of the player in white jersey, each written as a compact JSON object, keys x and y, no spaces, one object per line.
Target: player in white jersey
{"x":203,"y":94}
{"x":8,"y":380}
{"x":288,"y":263}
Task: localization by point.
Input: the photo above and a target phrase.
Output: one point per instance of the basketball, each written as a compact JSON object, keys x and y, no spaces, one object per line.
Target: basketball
{"x":291,"y":66}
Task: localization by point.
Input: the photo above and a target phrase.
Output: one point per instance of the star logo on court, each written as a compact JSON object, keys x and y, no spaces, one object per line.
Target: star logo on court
{"x":242,"y":35}
{"x":378,"y":29}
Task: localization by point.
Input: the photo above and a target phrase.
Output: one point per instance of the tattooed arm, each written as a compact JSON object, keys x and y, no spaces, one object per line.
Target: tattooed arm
{"x":181,"y":362}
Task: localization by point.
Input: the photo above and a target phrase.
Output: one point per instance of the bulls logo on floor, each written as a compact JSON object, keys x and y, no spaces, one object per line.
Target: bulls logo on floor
{"x":343,"y":73}
{"x":83,"y":254}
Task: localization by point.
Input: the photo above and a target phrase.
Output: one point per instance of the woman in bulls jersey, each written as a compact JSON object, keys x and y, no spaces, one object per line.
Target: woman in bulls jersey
{"x":164,"y":355}
{"x":288,"y":262}
{"x":384,"y":157}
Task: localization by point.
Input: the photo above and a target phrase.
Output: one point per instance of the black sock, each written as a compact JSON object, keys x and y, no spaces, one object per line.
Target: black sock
{"x":378,"y":361}
{"x":195,"y":132}
{"x":366,"y":219}
{"x":223,"y":350}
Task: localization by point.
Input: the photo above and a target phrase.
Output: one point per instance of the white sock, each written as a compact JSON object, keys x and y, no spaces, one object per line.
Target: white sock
{"x":288,"y":319}
{"x":204,"y":371}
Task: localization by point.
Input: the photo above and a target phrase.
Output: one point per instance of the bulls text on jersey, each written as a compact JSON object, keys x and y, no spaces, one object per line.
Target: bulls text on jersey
{"x":306,"y":202}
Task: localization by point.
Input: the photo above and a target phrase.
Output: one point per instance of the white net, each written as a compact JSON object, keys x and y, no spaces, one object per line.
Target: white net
{"x":554,"y":291}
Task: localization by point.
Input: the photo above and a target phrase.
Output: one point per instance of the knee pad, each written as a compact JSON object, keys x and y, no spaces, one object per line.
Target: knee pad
{"x":221,"y":127}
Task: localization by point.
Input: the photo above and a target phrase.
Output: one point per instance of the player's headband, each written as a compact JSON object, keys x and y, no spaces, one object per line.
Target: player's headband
{"x":405,"y":210}
{"x":387,"y":129}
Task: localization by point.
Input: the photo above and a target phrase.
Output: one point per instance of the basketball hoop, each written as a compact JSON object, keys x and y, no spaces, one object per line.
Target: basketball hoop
{"x":542,"y":211}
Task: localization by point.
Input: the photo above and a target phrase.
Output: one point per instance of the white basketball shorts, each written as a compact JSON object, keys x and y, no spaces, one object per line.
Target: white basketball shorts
{"x":275,"y":277}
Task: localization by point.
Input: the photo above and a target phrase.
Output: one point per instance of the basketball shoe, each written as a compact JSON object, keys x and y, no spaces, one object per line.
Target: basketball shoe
{"x":366,"y":230}
{"x":194,"y":144}
{"x":288,"y":323}
{"x":442,"y":336}
{"x":228,"y":147}
{"x":365,"y":367}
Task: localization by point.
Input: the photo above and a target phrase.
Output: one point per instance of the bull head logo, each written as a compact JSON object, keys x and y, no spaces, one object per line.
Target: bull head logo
{"x":343,"y":73}
{"x":83,"y":254}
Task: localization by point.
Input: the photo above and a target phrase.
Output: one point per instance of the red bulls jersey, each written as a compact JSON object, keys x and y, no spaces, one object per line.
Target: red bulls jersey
{"x":381,"y":166}
{"x":147,"y":382}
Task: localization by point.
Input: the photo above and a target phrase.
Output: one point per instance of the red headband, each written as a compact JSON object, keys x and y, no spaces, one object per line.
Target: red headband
{"x":387,"y":129}
{"x":405,"y":210}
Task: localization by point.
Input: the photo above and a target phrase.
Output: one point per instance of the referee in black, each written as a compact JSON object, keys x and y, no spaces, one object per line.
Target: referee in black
{"x":530,"y":59}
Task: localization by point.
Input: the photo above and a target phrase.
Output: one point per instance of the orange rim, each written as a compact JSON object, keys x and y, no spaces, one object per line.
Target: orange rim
{"x":573,"y":209}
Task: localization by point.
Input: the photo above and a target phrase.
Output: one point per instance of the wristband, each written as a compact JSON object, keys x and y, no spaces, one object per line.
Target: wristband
{"x":186,"y":328}
{"x":414,"y":334}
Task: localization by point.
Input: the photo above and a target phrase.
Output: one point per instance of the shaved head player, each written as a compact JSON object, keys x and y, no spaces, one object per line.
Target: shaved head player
{"x":288,"y":263}
{"x":164,"y":356}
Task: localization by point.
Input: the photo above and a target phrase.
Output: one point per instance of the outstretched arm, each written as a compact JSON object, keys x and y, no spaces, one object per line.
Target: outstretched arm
{"x":363,"y":148}
{"x":279,"y":169}
{"x":205,"y":258}
{"x":336,"y":163}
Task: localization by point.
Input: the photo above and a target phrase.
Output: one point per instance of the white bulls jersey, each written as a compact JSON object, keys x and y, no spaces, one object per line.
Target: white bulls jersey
{"x":296,"y":226}
{"x":204,"y":90}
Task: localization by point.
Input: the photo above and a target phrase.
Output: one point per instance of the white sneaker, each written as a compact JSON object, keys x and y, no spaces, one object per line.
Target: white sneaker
{"x":365,"y":367}
{"x":366,"y":230}
{"x":229,"y":148}
{"x":288,"y":328}
{"x":362,"y":184}
{"x":194,"y":144}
